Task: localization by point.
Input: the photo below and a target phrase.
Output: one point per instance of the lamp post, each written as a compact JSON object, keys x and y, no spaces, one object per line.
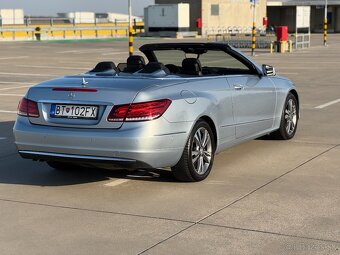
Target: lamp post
{"x":325,"y":25}
{"x":130,"y":30}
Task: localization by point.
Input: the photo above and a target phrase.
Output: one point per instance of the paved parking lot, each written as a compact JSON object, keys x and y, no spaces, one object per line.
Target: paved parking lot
{"x":262,"y":197}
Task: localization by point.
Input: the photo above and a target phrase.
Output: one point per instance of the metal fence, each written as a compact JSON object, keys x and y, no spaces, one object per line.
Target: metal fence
{"x":243,"y":40}
{"x":234,"y":30}
{"x":302,"y":41}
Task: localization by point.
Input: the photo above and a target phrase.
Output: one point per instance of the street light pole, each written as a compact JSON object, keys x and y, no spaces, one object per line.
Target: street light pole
{"x":130,"y":30}
{"x":253,"y":39}
{"x":325,"y":25}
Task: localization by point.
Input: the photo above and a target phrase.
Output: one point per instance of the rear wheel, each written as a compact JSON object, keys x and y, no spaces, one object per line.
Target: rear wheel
{"x":198,"y":155}
{"x":289,"y":119}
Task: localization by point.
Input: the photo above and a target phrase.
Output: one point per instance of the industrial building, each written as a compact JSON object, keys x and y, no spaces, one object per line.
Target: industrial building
{"x":168,"y":20}
{"x":79,"y":17}
{"x":111,"y":17}
{"x":206,"y":15}
{"x":283,"y":12}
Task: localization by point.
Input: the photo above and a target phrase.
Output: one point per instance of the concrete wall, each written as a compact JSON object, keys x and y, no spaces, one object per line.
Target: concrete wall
{"x":232,"y":13}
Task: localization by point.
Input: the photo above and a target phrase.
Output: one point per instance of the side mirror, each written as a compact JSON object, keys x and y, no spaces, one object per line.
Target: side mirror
{"x":268,"y":70}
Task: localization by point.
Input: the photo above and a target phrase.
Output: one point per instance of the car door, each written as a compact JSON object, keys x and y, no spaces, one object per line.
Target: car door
{"x":254,"y":101}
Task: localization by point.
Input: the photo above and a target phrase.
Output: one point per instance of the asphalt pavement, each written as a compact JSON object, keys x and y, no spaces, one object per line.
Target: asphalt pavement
{"x":262,"y":197}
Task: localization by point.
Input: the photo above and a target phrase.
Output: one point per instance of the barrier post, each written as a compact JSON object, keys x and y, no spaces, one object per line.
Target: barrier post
{"x":271,"y":47}
{"x":325,"y":25}
{"x":130,"y":41}
{"x":253,"y":38}
{"x":37,"y":33}
{"x":130,"y":30}
{"x":325,"y":32}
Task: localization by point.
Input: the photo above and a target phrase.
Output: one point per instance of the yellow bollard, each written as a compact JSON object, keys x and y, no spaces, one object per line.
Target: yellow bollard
{"x":253,"y":39}
{"x":271,"y":47}
{"x":290,"y":46}
{"x":130,"y":41}
{"x":325,"y":32}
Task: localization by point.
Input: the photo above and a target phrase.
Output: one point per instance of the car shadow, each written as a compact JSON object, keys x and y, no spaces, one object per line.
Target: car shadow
{"x":15,"y":170}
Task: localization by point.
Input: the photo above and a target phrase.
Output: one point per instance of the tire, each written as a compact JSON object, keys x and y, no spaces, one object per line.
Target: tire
{"x":197,"y":159}
{"x":62,"y":166}
{"x":289,"y":119}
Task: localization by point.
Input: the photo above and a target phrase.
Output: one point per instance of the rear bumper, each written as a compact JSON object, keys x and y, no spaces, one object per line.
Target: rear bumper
{"x":150,"y":144}
{"x":81,"y":159}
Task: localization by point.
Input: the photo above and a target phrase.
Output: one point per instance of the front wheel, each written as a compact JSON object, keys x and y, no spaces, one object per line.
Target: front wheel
{"x":289,"y":119}
{"x":198,"y":155}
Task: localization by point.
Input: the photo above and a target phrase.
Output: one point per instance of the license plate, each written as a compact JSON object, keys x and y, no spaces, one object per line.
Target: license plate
{"x":74,"y":111}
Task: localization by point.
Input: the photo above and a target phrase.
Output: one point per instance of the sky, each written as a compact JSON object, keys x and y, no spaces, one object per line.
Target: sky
{"x":51,"y":7}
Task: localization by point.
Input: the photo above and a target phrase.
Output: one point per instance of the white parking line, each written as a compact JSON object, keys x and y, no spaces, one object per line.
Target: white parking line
{"x":114,"y":53}
{"x":67,"y":51}
{"x":328,"y":104}
{"x":7,"y":58}
{"x":74,"y":62}
{"x":54,"y":67}
{"x":12,"y":95}
{"x":14,"y":82}
{"x":85,"y":51}
{"x":116,"y":182}
{"x":17,"y":87}
{"x":213,"y":182}
{"x":29,"y":74}
{"x":3,"y":111}
{"x":284,"y":73}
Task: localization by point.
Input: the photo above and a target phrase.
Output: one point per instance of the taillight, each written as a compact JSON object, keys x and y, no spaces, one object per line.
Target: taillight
{"x":139,"y":111}
{"x":28,"y":108}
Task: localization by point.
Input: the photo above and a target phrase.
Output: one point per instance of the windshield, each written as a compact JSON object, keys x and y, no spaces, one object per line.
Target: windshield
{"x":211,"y":58}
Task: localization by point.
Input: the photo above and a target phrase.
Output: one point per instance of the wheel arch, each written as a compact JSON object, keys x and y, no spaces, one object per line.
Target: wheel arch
{"x":212,"y":126}
{"x":294,"y":92}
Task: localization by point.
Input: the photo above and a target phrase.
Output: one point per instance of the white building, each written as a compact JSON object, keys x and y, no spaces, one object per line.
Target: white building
{"x":115,"y":17}
{"x":11,"y":16}
{"x":79,"y":17}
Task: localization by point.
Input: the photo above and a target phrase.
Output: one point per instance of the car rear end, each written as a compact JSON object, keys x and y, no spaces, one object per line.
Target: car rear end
{"x":103,"y":122}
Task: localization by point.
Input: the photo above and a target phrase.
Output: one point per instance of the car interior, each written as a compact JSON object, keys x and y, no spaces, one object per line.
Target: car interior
{"x":190,"y":67}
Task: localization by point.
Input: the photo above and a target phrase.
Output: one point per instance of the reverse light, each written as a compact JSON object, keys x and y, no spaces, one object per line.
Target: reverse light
{"x":139,"y":111}
{"x":28,"y":108}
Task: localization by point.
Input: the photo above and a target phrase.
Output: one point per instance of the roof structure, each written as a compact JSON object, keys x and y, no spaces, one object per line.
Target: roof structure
{"x":301,"y":2}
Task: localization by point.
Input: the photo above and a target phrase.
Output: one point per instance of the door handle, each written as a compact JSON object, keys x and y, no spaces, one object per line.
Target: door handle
{"x":238,"y":87}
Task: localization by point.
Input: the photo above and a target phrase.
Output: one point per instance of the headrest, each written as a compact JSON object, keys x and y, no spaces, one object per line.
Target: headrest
{"x":152,"y":67}
{"x":191,"y":66}
{"x":104,"y":66}
{"x":135,"y":60}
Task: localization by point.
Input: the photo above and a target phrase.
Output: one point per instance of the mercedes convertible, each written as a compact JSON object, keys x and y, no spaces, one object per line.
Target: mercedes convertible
{"x":175,"y":106}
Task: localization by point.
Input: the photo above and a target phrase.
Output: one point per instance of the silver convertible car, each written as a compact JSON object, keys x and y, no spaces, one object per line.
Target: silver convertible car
{"x":178,"y":106}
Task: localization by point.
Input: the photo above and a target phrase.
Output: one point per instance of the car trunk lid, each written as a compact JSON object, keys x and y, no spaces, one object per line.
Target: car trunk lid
{"x":101,"y":93}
